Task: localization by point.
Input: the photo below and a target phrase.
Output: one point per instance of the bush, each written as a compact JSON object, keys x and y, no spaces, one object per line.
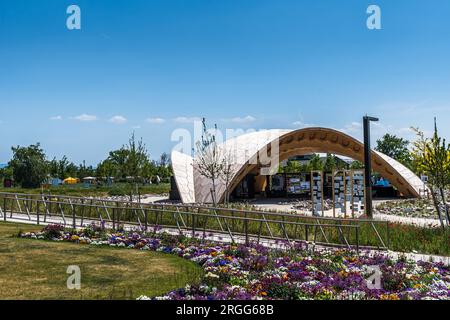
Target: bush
{"x":121,"y":190}
{"x":52,"y":231}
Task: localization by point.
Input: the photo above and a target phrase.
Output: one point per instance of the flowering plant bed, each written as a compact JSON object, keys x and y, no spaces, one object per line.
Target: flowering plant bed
{"x":255,"y":272}
{"x":412,"y":208}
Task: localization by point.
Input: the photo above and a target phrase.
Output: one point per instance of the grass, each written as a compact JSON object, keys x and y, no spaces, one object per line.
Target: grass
{"x":79,"y":190}
{"x":37,"y":269}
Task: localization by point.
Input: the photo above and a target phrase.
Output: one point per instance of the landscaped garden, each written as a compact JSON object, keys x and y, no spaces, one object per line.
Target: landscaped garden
{"x":233,"y":271}
{"x":37,"y":269}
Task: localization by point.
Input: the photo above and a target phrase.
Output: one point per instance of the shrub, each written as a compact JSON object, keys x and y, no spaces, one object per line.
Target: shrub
{"x":52,"y":231}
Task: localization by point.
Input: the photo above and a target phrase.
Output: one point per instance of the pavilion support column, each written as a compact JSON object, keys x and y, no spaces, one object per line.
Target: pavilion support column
{"x":368,"y":166}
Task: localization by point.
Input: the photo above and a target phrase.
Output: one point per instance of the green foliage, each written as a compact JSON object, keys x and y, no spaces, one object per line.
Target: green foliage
{"x":356,"y":165}
{"x":330,"y":163}
{"x":432,"y":158}
{"x":29,"y":166}
{"x":315,"y":163}
{"x":6,"y":173}
{"x":120,"y":190}
{"x":293,"y":166}
{"x":395,"y":147}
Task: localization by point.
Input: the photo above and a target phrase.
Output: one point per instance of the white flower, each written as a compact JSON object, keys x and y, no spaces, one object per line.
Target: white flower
{"x":211,"y":275}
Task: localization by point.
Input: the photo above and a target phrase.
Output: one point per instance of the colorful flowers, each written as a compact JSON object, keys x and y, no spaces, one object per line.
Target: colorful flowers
{"x":256,"y":272}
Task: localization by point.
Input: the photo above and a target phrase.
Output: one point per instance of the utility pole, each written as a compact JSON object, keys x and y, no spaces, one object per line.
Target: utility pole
{"x":368,"y":165}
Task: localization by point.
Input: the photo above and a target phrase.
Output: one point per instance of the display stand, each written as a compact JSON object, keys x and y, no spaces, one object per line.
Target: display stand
{"x":317,"y":193}
{"x":357,"y":192}
{"x":338,"y":182}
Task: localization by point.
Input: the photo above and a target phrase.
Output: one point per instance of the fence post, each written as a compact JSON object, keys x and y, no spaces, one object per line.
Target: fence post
{"x":74,"y":221}
{"x":37,"y":212}
{"x":357,"y":240}
{"x":114,"y":218}
{"x":246,"y":229}
{"x":306,"y":232}
{"x":4,"y":208}
{"x":146,"y":219}
{"x":193,"y":225}
{"x":388,"y":241}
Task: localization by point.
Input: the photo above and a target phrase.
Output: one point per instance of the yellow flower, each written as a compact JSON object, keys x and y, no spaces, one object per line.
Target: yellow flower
{"x":75,"y":237}
{"x":392,"y":296}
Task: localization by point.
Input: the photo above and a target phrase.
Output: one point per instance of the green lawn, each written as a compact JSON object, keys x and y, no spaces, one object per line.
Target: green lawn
{"x":80,"y":190}
{"x":31,"y":269}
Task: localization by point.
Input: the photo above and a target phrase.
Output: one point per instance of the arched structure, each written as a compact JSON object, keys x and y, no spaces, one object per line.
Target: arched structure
{"x":248,"y":148}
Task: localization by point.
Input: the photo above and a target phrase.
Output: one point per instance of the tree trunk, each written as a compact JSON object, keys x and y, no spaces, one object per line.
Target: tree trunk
{"x":226,"y":193}
{"x":436,"y":205}
{"x":445,"y":206}
{"x":214,"y":192}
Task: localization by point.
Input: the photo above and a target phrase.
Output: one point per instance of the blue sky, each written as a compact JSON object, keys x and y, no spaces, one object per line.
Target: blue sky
{"x":151,"y":66}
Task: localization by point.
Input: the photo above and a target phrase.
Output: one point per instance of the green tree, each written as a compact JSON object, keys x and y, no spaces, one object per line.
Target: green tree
{"x":106,"y":169}
{"x":315,"y":163}
{"x":6,"y":173}
{"x":330,"y":163}
{"x":119,"y":159}
{"x":395,"y":147}
{"x":356,"y":165}
{"x":432,"y":158}
{"x":29,"y":165}
{"x":292,"y":166}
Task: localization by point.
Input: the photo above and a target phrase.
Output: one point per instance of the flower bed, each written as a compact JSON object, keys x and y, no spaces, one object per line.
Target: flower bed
{"x":412,"y":208}
{"x":256,"y":272}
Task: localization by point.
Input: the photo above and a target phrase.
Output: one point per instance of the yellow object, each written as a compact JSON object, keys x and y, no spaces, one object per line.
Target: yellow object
{"x":70,"y":180}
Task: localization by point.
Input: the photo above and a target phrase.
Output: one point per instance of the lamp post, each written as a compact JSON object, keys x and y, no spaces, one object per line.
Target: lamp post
{"x":368,"y":165}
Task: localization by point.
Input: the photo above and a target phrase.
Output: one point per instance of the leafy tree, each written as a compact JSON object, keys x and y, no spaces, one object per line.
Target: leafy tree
{"x":164,"y":160}
{"x":395,"y":147}
{"x":356,"y":165}
{"x":6,"y":173}
{"x":106,"y":169}
{"x":315,"y":163}
{"x":227,"y":174}
{"x":292,"y":166}
{"x":85,"y":171}
{"x":29,"y":165}
{"x":330,"y":163}
{"x":432,"y":158}
{"x":118,"y":158}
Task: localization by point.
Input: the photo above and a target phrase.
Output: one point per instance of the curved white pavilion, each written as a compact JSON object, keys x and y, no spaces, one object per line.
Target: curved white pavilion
{"x":250,"y":150}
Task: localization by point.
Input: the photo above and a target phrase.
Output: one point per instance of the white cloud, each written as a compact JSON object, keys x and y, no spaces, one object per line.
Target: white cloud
{"x":246,"y":119}
{"x":155,"y":120}
{"x":85,"y":117}
{"x":56,"y":118}
{"x":301,"y":124}
{"x":353,"y":127}
{"x":186,"y":119}
{"x":118,"y":120}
